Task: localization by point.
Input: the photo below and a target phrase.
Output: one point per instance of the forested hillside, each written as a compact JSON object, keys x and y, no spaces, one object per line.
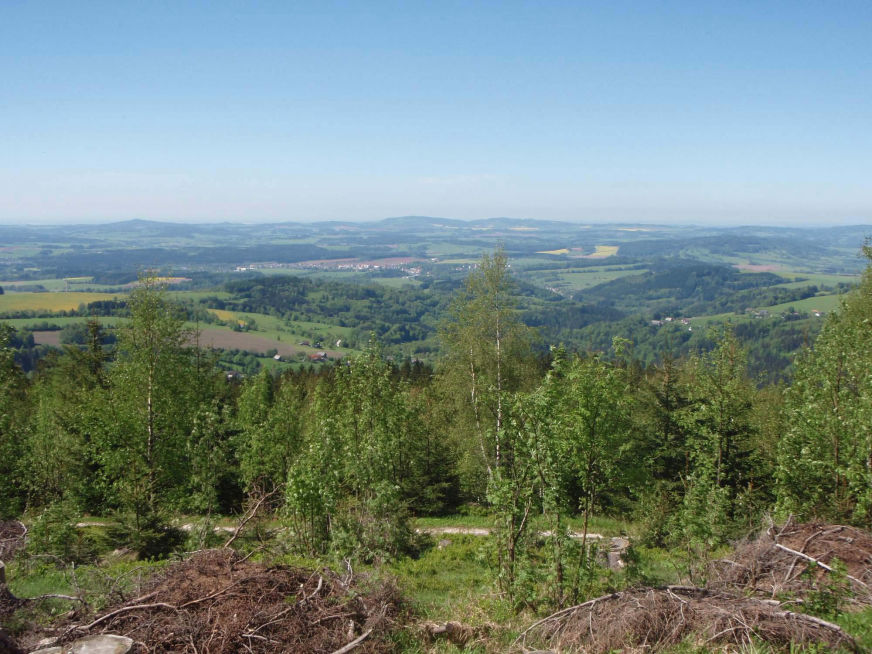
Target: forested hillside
{"x":312,"y":293}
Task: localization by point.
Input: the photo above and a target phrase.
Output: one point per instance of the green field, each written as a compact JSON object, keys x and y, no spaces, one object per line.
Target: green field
{"x":257,"y":342}
{"x":83,"y":284}
{"x":281,"y":334}
{"x":196,"y":295}
{"x":458,"y":261}
{"x":815,"y":279}
{"x":825,"y":303}
{"x":454,"y":250}
{"x":14,"y":302}
{"x":396,"y":282}
{"x":579,"y":279}
{"x":267,"y":337}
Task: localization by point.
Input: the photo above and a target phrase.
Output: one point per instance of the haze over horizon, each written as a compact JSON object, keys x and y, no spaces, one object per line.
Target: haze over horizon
{"x":714,"y":225}
{"x":679,"y":113}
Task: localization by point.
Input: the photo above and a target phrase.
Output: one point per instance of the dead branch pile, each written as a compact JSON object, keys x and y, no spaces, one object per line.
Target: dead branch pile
{"x":217,"y":603}
{"x":12,"y":534}
{"x":656,"y":618}
{"x":795,"y":559}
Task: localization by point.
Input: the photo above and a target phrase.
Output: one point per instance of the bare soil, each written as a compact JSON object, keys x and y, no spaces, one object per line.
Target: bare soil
{"x":47,"y":338}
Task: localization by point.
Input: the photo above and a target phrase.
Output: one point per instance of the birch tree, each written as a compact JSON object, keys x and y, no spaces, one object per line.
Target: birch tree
{"x":151,"y":407}
{"x":487,"y":352}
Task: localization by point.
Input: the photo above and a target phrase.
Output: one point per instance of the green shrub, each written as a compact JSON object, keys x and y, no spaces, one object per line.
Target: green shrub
{"x":54,"y":532}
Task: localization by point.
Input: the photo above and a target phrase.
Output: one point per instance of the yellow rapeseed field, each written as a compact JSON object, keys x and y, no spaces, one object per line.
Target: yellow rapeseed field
{"x":223,"y":314}
{"x":603,"y":251}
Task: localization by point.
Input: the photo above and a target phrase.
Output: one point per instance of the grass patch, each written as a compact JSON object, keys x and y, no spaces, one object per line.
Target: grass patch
{"x":61,"y":321}
{"x":453,"y":262}
{"x":49,"y":302}
{"x":580,"y":279}
{"x":859,"y":625}
{"x":826,"y":303}
{"x":181,"y":296}
{"x":445,"y":578}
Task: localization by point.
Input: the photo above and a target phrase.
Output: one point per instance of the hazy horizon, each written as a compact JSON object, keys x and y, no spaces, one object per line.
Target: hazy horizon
{"x":808,"y":225}
{"x":674,"y":113}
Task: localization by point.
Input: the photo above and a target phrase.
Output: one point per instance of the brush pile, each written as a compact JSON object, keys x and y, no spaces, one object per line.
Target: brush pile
{"x":217,"y":603}
{"x":656,"y":618}
{"x":796,"y":559}
{"x":748,"y":599}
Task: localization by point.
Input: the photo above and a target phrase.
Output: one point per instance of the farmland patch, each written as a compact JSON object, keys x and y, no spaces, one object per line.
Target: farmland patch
{"x":14,"y":302}
{"x":229,"y":340}
{"x":602,"y":252}
{"x":52,"y":338}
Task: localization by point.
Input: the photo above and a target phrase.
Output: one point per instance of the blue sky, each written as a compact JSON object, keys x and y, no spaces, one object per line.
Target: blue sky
{"x":702,"y":112}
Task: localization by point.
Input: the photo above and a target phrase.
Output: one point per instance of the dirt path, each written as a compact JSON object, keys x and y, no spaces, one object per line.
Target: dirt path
{"x":617,"y":544}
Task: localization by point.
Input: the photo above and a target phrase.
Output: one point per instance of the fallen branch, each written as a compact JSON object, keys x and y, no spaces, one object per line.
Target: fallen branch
{"x":562,"y":612}
{"x":213,"y":595}
{"x":805,"y":617}
{"x":814,"y":560}
{"x":71,"y":598}
{"x":354,"y":643}
{"x":314,"y":592}
{"x":125,"y":609}
{"x":249,"y":515}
